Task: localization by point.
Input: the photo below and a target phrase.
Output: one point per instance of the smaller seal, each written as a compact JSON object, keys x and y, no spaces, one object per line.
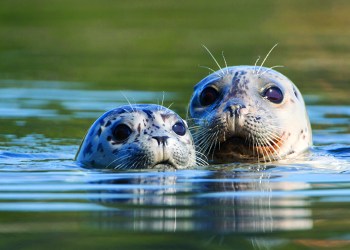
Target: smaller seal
{"x":138,"y":136}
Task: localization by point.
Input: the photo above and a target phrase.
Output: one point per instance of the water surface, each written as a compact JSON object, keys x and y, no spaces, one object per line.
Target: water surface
{"x":44,"y":194}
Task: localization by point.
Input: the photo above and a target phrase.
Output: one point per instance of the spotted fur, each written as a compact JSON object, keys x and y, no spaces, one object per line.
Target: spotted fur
{"x":242,"y":124}
{"x":152,"y":143}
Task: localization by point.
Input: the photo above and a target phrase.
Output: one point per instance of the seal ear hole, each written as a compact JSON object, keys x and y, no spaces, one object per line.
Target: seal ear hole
{"x":273,"y":94}
{"x":295,"y":93}
{"x":208,"y":96}
{"x":179,"y":128}
{"x":121,"y":132}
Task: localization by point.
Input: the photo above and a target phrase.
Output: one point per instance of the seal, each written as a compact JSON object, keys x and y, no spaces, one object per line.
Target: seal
{"x":138,"y":136}
{"x":248,"y":113}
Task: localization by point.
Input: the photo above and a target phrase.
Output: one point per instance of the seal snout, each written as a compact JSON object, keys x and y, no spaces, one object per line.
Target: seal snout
{"x":163,"y":154}
{"x":162,"y":140}
{"x":235,"y":112}
{"x":235,"y":109}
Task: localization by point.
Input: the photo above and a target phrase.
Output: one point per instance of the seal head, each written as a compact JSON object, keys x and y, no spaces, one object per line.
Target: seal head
{"x":138,"y":136}
{"x":241,"y":113}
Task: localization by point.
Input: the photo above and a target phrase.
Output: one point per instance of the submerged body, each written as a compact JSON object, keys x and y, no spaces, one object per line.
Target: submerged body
{"x":138,"y":136}
{"x":249,"y":113}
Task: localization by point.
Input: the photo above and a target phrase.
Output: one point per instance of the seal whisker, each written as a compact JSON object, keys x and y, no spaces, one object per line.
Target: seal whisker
{"x":276,"y":66}
{"x":138,"y":162}
{"x":276,"y":139}
{"x":163,"y":98}
{"x":124,"y":157}
{"x":273,"y":136}
{"x":255,"y":146}
{"x":203,"y":143}
{"x":170,"y":105}
{"x":270,"y":147}
{"x":126,"y":162}
{"x":223,"y":56}
{"x":126,"y":110}
{"x":262,"y":151}
{"x":256,"y":62}
{"x":200,"y":132}
{"x":200,"y":154}
{"x":220,"y":68}
{"x":266,"y":58}
{"x":214,"y":144}
{"x":194,"y":127}
{"x":213,"y":71}
{"x":130,"y":105}
{"x":201,"y":159}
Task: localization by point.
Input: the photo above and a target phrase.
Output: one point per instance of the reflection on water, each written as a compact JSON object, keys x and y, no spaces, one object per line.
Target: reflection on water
{"x":235,"y":201}
{"x":220,"y":202}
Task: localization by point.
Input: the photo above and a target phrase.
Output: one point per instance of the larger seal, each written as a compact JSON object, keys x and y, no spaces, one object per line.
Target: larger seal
{"x":249,"y":113}
{"x":138,"y":136}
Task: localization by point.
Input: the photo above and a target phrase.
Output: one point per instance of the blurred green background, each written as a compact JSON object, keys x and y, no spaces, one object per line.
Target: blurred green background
{"x":156,"y":44}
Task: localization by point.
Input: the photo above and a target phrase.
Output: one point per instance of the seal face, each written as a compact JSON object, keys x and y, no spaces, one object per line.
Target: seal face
{"x":138,"y":136}
{"x":241,"y":113}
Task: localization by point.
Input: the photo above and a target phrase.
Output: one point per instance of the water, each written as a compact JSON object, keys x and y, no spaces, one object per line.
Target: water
{"x":45,"y":195}
{"x":64,"y":63}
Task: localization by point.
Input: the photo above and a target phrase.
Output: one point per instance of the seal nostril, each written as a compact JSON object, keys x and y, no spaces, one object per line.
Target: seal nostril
{"x":235,"y":109}
{"x":161,"y":139}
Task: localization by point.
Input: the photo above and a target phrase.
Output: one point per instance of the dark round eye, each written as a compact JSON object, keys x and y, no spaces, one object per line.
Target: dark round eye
{"x":179,"y":128}
{"x":208,"y":96}
{"x":121,"y":132}
{"x":274,"y":94}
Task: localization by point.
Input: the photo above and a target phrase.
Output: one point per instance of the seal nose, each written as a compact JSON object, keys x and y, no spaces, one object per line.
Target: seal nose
{"x":161,"y":139}
{"x":235,"y":109}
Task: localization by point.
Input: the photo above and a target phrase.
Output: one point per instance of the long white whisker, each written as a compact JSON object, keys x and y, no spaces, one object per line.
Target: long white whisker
{"x":215,"y":142}
{"x":223,"y":56}
{"x":163,"y":98}
{"x":128,"y":102}
{"x":276,"y":66}
{"x":256,"y":62}
{"x":266,"y":57}
{"x":223,"y":73}
{"x":201,"y":159}
{"x":268,"y":143}
{"x":210,"y":69}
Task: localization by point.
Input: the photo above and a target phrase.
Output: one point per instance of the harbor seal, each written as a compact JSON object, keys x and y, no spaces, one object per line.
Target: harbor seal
{"x":248,"y":113}
{"x":138,"y":136}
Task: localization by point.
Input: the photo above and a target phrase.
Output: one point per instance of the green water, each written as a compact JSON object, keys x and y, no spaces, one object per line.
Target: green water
{"x":63,"y":63}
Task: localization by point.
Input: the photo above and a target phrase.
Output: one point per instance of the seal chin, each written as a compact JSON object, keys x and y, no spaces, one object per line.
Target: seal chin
{"x":166,"y":164}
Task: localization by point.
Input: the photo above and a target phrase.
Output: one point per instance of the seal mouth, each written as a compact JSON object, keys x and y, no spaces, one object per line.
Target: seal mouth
{"x":262,"y":145}
{"x":244,"y":148}
{"x":166,"y":164}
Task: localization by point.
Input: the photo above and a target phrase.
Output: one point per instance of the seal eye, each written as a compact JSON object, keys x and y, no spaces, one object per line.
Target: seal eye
{"x":121,"y":132}
{"x":208,"y":96}
{"x":274,"y":94}
{"x":179,"y":128}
